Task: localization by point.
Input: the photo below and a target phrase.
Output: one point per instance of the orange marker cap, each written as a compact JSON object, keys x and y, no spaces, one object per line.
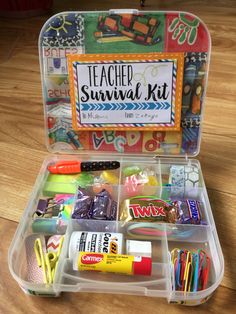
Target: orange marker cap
{"x":65,"y":167}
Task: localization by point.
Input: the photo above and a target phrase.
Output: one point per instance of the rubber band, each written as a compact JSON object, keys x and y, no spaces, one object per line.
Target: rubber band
{"x":152,"y":231}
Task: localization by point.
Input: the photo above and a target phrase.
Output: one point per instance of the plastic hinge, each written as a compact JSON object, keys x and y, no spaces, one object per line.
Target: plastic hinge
{"x":123,"y":11}
{"x":186,"y":157}
{"x":158,"y":159}
{"x":188,"y":160}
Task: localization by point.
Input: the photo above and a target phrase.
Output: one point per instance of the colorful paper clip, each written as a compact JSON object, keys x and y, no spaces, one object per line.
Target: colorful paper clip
{"x":47,"y":260}
{"x":191,"y":270}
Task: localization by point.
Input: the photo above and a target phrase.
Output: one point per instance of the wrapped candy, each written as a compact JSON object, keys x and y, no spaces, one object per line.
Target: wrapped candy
{"x":148,"y":209}
{"x":150,"y":188}
{"x":131,"y":170}
{"x":103,"y":182}
{"x":85,"y":179}
{"x":103,"y":207}
{"x":113,"y":211}
{"x":98,"y":187}
{"x":133,"y":186}
{"x":82,"y":205}
{"x":109,"y":177}
{"x":143,"y":183}
{"x":190,"y":212}
{"x":99,"y":207}
{"x":151,"y":209}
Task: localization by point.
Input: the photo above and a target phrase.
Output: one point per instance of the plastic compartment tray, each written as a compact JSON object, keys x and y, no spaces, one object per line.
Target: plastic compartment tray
{"x":160,"y":283}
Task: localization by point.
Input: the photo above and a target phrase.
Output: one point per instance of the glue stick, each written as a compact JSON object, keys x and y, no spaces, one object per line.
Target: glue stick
{"x":113,"y":263}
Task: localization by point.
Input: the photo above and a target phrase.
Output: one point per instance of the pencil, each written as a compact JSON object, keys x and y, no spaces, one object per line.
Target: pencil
{"x":113,"y":39}
{"x":102,"y":35}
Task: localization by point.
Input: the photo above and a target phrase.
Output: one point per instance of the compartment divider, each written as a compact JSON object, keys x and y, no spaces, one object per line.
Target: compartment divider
{"x":159,"y":176}
{"x":139,"y":283}
{"x":63,"y":255}
{"x":119,"y":189}
{"x":166,"y":259}
{"x":207,"y":208}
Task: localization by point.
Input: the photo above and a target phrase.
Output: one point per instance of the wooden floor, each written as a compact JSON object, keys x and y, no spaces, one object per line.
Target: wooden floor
{"x":23,"y":150}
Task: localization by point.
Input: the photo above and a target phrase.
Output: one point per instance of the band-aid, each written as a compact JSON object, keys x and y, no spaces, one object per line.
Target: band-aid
{"x":176,"y":180}
{"x":184,"y":181}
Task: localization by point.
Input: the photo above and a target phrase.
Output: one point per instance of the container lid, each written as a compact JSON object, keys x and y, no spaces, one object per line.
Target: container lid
{"x":124,"y":81}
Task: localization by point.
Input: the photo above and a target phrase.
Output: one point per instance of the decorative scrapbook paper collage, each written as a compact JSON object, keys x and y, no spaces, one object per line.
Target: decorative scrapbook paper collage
{"x":99,"y":33}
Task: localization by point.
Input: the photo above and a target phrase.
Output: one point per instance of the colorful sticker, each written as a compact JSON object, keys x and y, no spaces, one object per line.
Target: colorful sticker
{"x":75,"y":33}
{"x":55,"y":59}
{"x":193,"y":82}
{"x":108,"y":141}
{"x":66,"y":30}
{"x":57,"y":87}
{"x":126,"y":91}
{"x":134,"y":140}
{"x":185,"y":32}
{"x":83,"y":138}
{"x":190,"y":140}
{"x":116,"y":141}
{"x":162,"y":142}
{"x":118,"y":33}
{"x":67,"y":138}
{"x":63,"y":35}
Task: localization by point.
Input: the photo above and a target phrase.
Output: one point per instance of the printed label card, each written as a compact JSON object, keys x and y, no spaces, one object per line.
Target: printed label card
{"x":126,"y":91}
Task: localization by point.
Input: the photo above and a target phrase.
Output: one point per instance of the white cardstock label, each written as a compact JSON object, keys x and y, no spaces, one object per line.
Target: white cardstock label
{"x":129,"y":93}
{"x":125,"y":93}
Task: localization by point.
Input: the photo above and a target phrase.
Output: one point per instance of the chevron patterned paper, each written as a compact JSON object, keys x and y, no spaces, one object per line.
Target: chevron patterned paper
{"x":53,"y":243}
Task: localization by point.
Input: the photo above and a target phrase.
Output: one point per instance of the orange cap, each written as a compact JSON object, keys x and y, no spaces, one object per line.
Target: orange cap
{"x":65,"y":167}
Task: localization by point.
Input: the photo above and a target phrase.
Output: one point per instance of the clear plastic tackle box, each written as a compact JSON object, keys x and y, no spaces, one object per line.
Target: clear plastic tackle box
{"x":123,"y":95}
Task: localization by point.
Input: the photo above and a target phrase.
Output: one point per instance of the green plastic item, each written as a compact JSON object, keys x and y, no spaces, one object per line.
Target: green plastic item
{"x":85,"y":179}
{"x":131,"y":170}
{"x":66,"y":184}
{"x":60,"y":184}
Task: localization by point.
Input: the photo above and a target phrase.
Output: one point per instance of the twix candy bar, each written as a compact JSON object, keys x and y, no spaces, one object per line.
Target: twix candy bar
{"x":152,"y":209}
{"x":148,"y":208}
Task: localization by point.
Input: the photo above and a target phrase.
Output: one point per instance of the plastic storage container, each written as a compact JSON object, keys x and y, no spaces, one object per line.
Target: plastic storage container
{"x":165,"y":55}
